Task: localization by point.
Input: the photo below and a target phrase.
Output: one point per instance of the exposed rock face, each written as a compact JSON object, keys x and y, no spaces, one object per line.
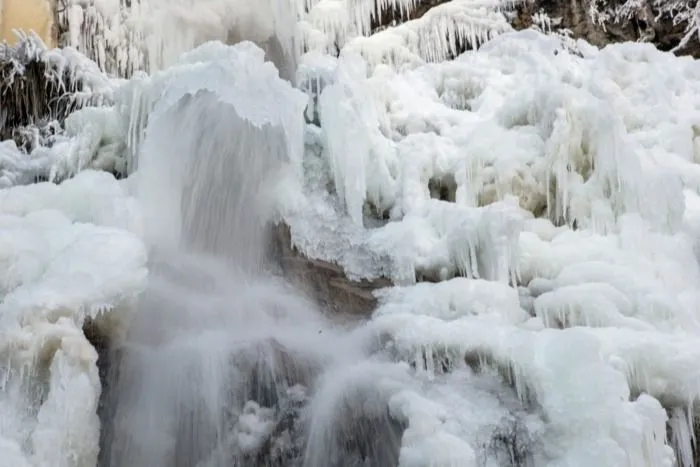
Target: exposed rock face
{"x":326,"y":282}
{"x":642,"y":21}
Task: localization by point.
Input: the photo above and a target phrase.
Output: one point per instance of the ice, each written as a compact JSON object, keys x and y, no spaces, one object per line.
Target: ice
{"x":455,"y":299}
{"x":571,"y":176}
{"x":535,"y":202}
{"x":68,"y":253}
{"x":151,"y":34}
{"x":206,"y":82}
{"x":436,"y":35}
{"x":42,"y":92}
{"x":225,"y":125}
{"x":92,"y":139}
{"x":125,"y":37}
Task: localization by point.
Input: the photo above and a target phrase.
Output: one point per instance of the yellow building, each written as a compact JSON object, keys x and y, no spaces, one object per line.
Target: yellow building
{"x":27,"y":15}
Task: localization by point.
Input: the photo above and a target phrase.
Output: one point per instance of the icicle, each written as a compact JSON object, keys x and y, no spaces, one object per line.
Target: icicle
{"x":681,"y":425}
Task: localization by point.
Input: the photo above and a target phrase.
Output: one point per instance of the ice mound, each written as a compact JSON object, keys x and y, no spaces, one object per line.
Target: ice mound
{"x":68,"y":253}
{"x":521,"y":119}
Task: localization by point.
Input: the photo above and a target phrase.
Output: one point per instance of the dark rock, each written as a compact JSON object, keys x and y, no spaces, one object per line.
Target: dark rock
{"x":645,"y":23}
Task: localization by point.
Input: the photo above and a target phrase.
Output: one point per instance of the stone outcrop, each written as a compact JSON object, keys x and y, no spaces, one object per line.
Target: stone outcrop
{"x":646,"y":23}
{"x":326,"y":282}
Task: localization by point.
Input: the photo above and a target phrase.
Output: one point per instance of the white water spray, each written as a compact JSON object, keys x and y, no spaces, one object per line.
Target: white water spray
{"x":221,"y":354}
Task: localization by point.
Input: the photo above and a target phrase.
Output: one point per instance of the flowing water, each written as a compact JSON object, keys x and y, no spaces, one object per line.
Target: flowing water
{"x":221,"y":357}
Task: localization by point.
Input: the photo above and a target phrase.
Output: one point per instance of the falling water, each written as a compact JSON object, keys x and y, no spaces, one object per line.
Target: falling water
{"x":222,"y":358}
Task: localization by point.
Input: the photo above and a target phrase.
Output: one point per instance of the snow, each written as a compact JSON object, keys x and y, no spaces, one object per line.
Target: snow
{"x":537,"y":209}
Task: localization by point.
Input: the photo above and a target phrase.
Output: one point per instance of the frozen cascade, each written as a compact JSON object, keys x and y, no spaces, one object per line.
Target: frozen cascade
{"x":125,"y":36}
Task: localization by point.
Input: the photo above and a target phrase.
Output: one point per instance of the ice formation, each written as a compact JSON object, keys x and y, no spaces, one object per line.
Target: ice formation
{"x":66,"y":258}
{"x":535,"y":201}
{"x":126,"y":36}
{"x":566,"y":178}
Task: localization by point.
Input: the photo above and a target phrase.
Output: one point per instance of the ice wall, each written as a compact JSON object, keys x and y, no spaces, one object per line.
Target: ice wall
{"x":564,"y":175}
{"x":150,"y":35}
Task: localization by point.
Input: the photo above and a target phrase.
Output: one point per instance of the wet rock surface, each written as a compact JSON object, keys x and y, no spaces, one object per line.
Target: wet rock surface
{"x":325,"y":282}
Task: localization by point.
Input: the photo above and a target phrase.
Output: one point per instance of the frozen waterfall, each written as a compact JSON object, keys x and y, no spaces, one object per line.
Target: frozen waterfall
{"x":535,"y":204}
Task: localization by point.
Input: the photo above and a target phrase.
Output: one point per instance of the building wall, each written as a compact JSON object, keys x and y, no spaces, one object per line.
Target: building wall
{"x":27,"y":15}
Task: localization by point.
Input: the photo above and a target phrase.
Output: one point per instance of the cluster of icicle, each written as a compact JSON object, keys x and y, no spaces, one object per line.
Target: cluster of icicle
{"x":37,"y":83}
{"x":42,"y":91}
{"x":125,"y":36}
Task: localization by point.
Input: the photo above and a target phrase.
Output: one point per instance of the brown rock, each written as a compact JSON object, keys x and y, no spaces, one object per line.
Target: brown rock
{"x":646,"y":24}
{"x":326,"y":282}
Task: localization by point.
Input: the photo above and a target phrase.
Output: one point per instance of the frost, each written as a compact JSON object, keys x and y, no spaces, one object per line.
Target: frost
{"x":47,"y":95}
{"x":92,"y":139}
{"x":41,"y":84}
